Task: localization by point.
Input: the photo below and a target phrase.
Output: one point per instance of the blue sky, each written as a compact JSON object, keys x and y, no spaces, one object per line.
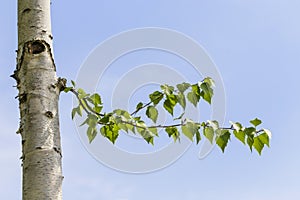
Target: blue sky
{"x":255,"y":45}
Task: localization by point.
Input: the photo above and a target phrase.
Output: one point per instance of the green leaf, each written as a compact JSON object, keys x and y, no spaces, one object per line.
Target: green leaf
{"x":152,"y":113}
{"x":240,"y":135}
{"x":207,"y":92}
{"x":255,"y":122}
{"x":73,"y":83}
{"x":92,"y":120}
{"x":214,"y":124}
{"x":106,"y":118}
{"x":236,"y":125}
{"x":222,"y":140}
{"x":74,"y":111}
{"x":193,"y":98}
{"x":146,"y":134}
{"x":91,"y":133}
{"x":170,"y":103}
{"x":67,"y":89}
{"x":209,"y":81}
{"x":190,"y":129}
{"x":121,"y":125}
{"x":139,"y":106}
{"x":150,"y":140}
{"x":250,"y":141}
{"x":268,"y":132}
{"x":198,"y":137}
{"x":183,"y":87}
{"x":167,"y":89}
{"x":96,"y":99}
{"x":258,"y":145}
{"x":153,"y":130}
{"x":77,"y":110}
{"x":98,"y":109}
{"x":181,"y":100}
{"x":123,"y":113}
{"x":173,"y":132}
{"x":130,"y":128}
{"x":156,"y":97}
{"x":265,"y":138}
{"x":208,"y":132}
{"x":81,"y":93}
{"x":196,"y":90}
{"x":111,"y":132}
{"x":250,"y":131}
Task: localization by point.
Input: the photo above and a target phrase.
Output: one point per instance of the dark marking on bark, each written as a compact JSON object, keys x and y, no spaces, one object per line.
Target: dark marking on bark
{"x":27,"y":10}
{"x":22,"y":97}
{"x":53,"y":86}
{"x":38,"y":148}
{"x":49,"y":114}
{"x":57,"y":150}
{"x":51,"y":37}
{"x":23,"y":142}
{"x":36,"y":47}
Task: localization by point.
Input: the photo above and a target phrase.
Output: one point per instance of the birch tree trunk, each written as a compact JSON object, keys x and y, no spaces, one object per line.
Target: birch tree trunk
{"x":39,"y":90}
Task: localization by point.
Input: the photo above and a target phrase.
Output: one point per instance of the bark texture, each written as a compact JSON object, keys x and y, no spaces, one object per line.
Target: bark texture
{"x":39,"y":90}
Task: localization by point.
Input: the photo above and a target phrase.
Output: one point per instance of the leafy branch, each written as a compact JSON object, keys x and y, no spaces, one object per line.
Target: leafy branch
{"x":111,"y":123}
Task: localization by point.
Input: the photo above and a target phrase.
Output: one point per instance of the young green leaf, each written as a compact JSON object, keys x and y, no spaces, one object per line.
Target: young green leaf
{"x":156,"y":97}
{"x":77,"y":110}
{"x":96,"y":99}
{"x":190,"y":129}
{"x":153,"y":130}
{"x":236,"y":125}
{"x":181,"y":100}
{"x":255,"y":122}
{"x":209,"y":81}
{"x":91,"y":133}
{"x":111,"y":132}
{"x":193,"y":98}
{"x":81,"y":93}
{"x":250,"y":141}
{"x":98,"y":109}
{"x":214,"y":124}
{"x":152,"y":113}
{"x":207,"y":92}
{"x":139,"y":106}
{"x":258,"y":145}
{"x":222,"y":140}
{"x":173,"y":132}
{"x":183,"y":87}
{"x":68,"y":89}
{"x":198,"y":137}
{"x":74,"y":111}
{"x":167,"y":89}
{"x":208,"y":132}
{"x":240,"y":135}
{"x":170,"y":103}
{"x":264,"y":138}
{"x":73,"y":83}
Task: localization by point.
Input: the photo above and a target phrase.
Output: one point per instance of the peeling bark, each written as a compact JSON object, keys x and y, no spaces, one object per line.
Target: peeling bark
{"x":39,"y":90}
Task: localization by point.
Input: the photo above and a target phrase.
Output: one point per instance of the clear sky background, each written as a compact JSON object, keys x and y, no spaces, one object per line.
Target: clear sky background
{"x":255,"y":45}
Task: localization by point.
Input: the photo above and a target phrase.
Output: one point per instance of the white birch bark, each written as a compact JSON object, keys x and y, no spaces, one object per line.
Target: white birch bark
{"x":39,"y":90}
